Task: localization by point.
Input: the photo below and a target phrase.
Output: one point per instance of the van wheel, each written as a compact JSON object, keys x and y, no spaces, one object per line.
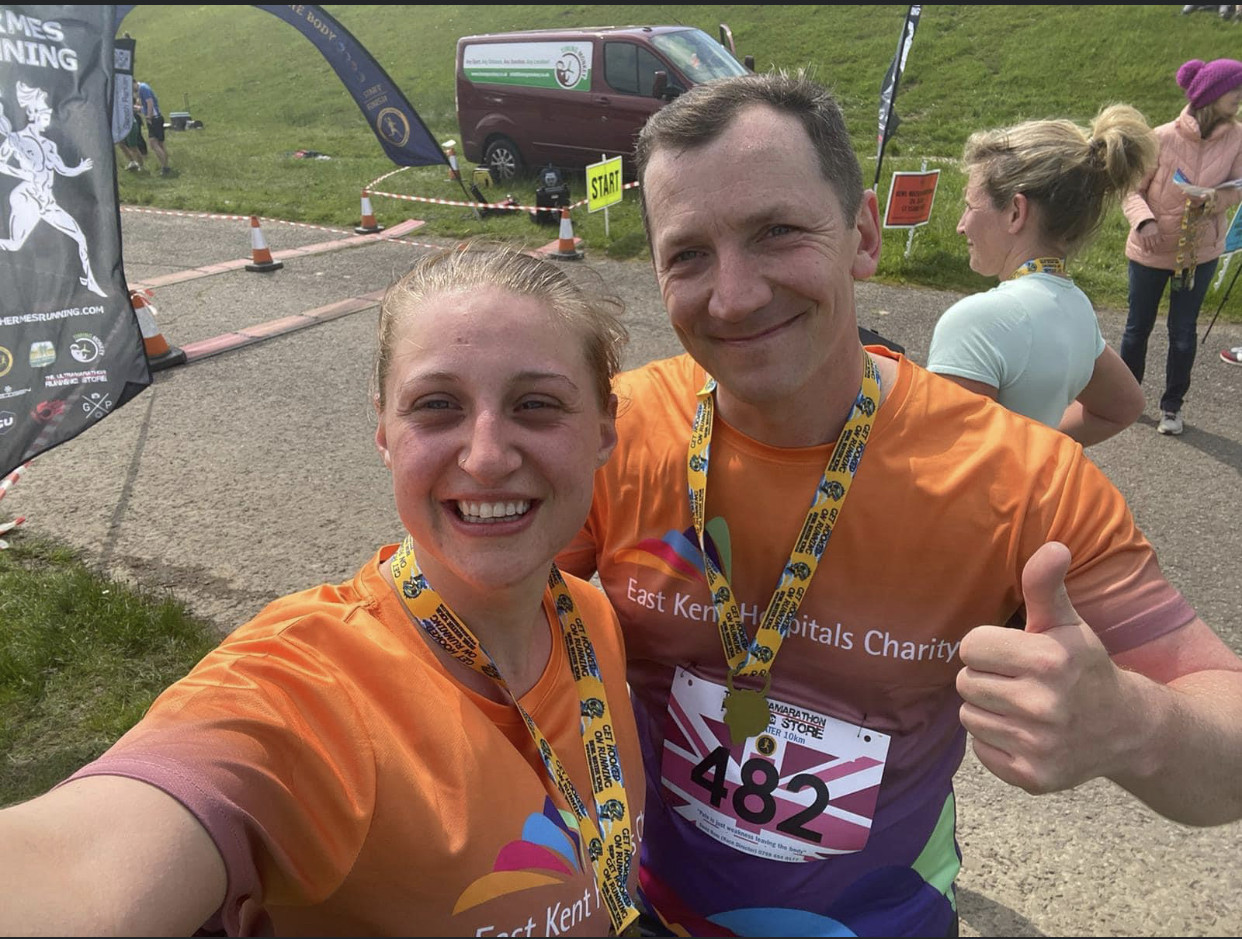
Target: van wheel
{"x":503,"y":159}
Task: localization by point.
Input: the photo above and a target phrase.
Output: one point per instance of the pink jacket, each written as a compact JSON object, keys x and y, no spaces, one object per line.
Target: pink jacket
{"x":1205,"y":163}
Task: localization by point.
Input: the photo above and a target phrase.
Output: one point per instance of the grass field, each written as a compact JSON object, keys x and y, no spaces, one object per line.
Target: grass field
{"x":81,"y":659}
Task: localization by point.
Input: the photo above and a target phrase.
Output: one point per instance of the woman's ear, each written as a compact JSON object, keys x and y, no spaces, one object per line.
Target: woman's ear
{"x":607,"y":432}
{"x":381,"y":433}
{"x":1019,"y":213}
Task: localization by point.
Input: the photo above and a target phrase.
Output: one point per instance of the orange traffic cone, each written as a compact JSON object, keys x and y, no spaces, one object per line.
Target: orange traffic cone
{"x":262,"y":257}
{"x":160,"y":354}
{"x":368,"y":224}
{"x":449,"y":149}
{"x":566,"y":247}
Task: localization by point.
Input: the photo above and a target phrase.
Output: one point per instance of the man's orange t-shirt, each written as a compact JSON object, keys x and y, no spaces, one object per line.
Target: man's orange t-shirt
{"x":841,"y":815}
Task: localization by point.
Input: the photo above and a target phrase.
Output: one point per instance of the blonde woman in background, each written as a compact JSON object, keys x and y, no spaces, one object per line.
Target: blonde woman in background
{"x":1035,"y":196}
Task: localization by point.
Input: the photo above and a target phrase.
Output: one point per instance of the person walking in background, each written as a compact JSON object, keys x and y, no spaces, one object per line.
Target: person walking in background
{"x":134,"y":146}
{"x":1035,"y":196}
{"x":811,"y":544}
{"x":1233,"y":355}
{"x":1226,"y":12}
{"x":155,"y":124}
{"x":1177,"y":235}
{"x":442,"y":745}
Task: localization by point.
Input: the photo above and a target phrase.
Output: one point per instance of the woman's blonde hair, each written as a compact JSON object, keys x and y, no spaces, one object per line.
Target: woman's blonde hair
{"x":1072,"y":173}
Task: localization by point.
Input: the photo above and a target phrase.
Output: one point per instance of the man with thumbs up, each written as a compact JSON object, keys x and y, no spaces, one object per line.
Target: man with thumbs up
{"x":806,"y":540}
{"x":1049,"y":708}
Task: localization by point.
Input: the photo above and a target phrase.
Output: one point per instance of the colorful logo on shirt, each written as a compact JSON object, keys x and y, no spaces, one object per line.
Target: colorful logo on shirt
{"x":889,"y":900}
{"x":547,"y":853}
{"x":677,"y":554}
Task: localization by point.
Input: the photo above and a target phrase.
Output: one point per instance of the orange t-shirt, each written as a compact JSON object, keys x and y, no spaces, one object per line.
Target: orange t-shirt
{"x":953,"y":494}
{"x":354,"y":788}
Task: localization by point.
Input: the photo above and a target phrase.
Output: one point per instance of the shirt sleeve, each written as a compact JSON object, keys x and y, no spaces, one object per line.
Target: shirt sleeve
{"x":984,"y":338}
{"x":283,"y":784}
{"x":1114,"y":581}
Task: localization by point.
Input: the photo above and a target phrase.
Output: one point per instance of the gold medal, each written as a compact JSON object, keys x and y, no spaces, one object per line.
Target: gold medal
{"x":746,"y":712}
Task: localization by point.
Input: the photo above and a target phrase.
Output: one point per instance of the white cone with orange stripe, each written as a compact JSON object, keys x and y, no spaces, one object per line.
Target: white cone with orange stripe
{"x":260,"y":255}
{"x":368,"y":225}
{"x":160,"y":354}
{"x":5,"y":485}
{"x":566,"y":245}
{"x":9,"y":481}
{"x":450,"y":150}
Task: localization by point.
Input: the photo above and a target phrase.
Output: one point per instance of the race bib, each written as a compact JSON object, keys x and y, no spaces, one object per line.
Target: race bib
{"x":802,"y":790}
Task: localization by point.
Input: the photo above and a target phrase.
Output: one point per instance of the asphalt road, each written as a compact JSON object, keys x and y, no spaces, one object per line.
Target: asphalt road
{"x":244,"y":475}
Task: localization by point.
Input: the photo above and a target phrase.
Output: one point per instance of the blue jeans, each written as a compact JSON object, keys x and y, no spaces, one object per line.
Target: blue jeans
{"x":1146,"y":289}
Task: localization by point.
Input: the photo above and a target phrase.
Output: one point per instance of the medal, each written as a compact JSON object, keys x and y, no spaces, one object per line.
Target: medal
{"x":746,"y":712}
{"x":611,"y":864}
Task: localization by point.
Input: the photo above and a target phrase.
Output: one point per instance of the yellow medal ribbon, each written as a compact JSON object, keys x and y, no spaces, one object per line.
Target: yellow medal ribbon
{"x":612,"y":853}
{"x":746,"y":711}
{"x":1187,"y":247}
{"x":1040,"y":265}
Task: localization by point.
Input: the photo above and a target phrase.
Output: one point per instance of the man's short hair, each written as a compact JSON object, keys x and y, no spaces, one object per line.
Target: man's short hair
{"x":700,"y":115}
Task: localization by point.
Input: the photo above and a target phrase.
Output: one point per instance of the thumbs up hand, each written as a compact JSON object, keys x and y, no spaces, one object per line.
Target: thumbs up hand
{"x":1046,"y":705}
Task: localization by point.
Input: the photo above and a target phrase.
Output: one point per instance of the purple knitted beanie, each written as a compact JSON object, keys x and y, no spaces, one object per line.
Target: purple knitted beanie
{"x":1204,"y":83}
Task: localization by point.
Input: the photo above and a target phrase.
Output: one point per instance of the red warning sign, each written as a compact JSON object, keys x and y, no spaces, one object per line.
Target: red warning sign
{"x":910,"y":199}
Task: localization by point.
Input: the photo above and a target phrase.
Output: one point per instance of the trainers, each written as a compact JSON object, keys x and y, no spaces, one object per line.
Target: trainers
{"x":1232,"y":356}
{"x":165,"y":170}
{"x":1170,"y":423}
{"x":133,"y":165}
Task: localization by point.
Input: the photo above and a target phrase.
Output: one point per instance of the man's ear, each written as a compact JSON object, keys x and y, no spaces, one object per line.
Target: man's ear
{"x":381,"y":434}
{"x":870,"y":237}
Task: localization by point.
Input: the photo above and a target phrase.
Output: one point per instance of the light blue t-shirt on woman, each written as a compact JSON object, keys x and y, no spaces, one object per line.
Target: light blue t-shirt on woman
{"x":1035,"y":339}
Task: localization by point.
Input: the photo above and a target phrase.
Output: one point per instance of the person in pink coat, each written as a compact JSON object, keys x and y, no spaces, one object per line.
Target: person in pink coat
{"x":1177,"y":235}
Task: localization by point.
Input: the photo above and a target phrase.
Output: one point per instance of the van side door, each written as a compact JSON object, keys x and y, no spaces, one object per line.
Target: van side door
{"x":622,"y":94}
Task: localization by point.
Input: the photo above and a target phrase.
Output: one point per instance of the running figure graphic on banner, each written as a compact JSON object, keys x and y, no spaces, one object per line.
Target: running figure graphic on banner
{"x":38,"y":162}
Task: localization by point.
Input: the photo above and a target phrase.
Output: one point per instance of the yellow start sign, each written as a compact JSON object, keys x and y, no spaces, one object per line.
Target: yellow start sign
{"x":603,"y":184}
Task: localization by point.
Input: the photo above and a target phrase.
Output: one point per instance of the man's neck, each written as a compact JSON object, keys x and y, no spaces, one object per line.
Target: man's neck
{"x":813,"y":419}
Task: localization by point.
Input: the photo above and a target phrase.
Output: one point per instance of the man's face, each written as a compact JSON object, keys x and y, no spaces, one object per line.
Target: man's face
{"x":755,"y":261}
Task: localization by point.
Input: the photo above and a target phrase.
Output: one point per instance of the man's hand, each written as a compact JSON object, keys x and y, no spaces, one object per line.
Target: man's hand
{"x":1046,"y":705}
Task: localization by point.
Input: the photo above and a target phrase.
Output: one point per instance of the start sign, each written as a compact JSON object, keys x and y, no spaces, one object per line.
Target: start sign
{"x":603,"y":182}
{"x":910,"y":199}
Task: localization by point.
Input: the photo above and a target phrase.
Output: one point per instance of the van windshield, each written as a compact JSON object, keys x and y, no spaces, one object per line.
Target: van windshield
{"x":698,"y":55}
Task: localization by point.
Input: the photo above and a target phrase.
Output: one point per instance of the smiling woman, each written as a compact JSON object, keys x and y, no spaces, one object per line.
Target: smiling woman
{"x":458,"y":693}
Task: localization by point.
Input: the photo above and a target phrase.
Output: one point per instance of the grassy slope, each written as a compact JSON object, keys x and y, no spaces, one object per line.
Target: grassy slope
{"x":263,"y":91}
{"x":81,"y":659}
